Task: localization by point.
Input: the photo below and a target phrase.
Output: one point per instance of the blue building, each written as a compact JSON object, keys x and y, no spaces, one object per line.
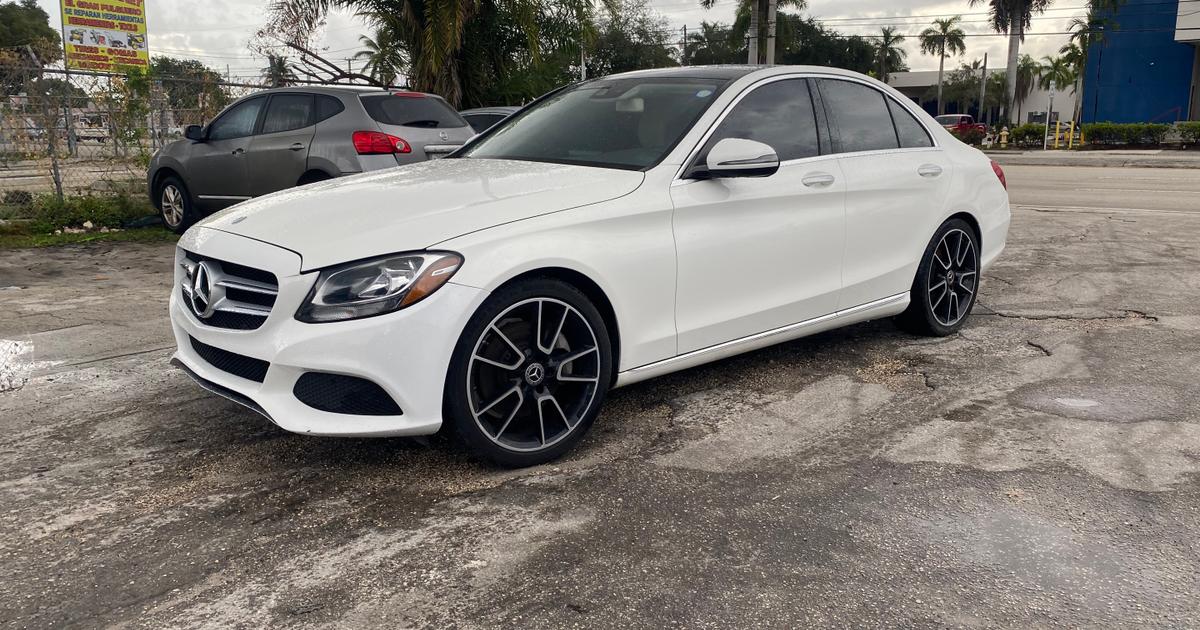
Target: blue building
{"x":1147,"y":69}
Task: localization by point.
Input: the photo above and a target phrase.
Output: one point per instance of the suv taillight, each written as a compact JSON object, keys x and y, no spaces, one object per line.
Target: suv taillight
{"x":377,"y":142}
{"x":999,"y":173}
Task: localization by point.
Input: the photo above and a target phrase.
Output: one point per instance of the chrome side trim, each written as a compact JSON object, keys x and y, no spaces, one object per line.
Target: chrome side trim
{"x":887,"y":301}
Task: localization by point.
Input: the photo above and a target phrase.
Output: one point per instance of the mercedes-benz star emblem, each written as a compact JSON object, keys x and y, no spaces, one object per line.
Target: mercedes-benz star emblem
{"x":534,"y":374}
{"x":206,"y":293}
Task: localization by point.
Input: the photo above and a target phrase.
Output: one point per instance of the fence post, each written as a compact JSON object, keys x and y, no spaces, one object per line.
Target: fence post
{"x":48,"y":119}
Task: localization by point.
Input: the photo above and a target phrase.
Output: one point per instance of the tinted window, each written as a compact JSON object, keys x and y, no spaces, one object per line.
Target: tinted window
{"x":860,"y":116}
{"x":630,"y":123}
{"x":237,"y":122}
{"x":287,"y":112}
{"x":779,"y":114}
{"x":911,"y":133}
{"x":411,"y":111}
{"x":481,"y":122}
{"x":328,"y":106}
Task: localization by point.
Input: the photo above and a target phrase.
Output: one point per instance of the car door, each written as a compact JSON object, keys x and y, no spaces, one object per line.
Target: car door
{"x":897,"y":182}
{"x":278,"y":155}
{"x":216,"y":167}
{"x":755,"y":254}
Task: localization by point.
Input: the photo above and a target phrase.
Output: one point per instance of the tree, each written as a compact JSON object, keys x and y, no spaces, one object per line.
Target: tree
{"x":944,"y":38}
{"x":1013,"y":17}
{"x":1027,"y":73}
{"x":384,"y":54}
{"x":889,"y":52}
{"x":278,"y":72}
{"x":437,"y":35}
{"x":760,"y":14}
{"x":194,"y":91}
{"x":808,"y":42}
{"x":630,"y":36}
{"x":24,"y":23}
{"x":713,"y":44}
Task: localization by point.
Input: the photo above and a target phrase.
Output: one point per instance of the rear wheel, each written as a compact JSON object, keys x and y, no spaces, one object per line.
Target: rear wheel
{"x":529,"y":373}
{"x":175,"y":206}
{"x":947,"y":282}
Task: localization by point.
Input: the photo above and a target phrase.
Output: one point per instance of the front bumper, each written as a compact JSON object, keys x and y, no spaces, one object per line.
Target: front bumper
{"x":406,"y":353}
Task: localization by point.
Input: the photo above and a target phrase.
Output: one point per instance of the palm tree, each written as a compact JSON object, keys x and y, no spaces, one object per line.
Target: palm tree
{"x":1013,"y":17}
{"x":1028,"y":71}
{"x":384,"y":55}
{"x":888,"y":51}
{"x":714,"y":44}
{"x":758,"y":9}
{"x":278,"y":72}
{"x":1055,"y":73}
{"x":943,"y":39}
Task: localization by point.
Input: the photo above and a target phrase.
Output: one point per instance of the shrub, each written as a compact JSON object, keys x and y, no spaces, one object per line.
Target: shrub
{"x":1190,"y":131}
{"x":22,"y":198}
{"x":970,"y":136}
{"x":1108,"y":133}
{"x":1028,"y":135}
{"x":111,"y":211}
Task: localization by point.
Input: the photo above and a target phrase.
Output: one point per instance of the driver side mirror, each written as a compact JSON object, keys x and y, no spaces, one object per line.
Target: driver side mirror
{"x":194,"y":133}
{"x":738,"y":157}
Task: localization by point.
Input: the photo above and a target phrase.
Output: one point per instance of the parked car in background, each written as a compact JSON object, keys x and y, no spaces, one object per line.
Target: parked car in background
{"x":961,"y":123}
{"x":612,"y":231}
{"x":287,"y":137}
{"x":483,"y":118}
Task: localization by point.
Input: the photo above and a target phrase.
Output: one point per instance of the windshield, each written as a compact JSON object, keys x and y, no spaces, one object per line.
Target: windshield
{"x":411,"y":110}
{"x":948,"y":120}
{"x":627,"y":123}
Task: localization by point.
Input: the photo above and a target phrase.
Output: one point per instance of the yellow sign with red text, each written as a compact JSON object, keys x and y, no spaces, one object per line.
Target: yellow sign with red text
{"x":105,"y":35}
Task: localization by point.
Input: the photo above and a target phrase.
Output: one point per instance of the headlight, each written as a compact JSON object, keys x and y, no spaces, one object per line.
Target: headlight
{"x":377,"y":286}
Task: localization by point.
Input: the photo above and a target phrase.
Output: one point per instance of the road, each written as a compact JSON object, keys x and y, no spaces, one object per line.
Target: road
{"x":1037,"y":470}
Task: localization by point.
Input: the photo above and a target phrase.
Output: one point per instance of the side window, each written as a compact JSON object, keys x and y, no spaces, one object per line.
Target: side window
{"x":910,"y":132}
{"x":779,"y":114}
{"x":328,"y":107}
{"x":860,"y":114}
{"x":237,"y":122}
{"x":482,"y":122}
{"x":287,"y":112}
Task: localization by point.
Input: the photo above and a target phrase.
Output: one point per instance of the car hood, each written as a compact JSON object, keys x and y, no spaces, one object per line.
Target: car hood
{"x":415,"y":207}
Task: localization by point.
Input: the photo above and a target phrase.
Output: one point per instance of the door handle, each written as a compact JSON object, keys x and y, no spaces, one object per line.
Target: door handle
{"x":239,"y":151}
{"x":296,"y":146}
{"x":814,"y":180}
{"x":929,"y":170}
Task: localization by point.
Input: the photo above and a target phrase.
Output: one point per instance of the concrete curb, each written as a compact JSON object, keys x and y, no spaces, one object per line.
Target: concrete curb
{"x":1111,"y":161}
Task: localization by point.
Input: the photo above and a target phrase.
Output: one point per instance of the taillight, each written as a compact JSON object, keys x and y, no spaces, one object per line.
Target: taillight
{"x":377,"y":142}
{"x":999,"y":173}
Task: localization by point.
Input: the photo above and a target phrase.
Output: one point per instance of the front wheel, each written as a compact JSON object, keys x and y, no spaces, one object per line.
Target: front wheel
{"x":175,"y":206}
{"x":529,"y":373}
{"x":947,"y":282}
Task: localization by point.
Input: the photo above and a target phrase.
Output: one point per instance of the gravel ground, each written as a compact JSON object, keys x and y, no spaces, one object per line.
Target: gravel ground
{"x":1037,"y":470}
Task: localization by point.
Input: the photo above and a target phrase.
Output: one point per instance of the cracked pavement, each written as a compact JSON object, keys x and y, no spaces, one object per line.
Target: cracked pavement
{"x":1039,"y":469}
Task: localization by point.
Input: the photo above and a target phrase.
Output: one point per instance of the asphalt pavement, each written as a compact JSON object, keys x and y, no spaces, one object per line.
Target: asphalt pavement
{"x":1039,"y":469}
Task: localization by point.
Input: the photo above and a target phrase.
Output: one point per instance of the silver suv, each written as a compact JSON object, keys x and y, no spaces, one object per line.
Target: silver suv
{"x":287,"y":137}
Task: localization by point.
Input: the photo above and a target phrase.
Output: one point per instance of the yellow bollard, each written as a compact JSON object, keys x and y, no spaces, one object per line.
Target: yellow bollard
{"x":1071,"y":138}
{"x":1057,"y":132}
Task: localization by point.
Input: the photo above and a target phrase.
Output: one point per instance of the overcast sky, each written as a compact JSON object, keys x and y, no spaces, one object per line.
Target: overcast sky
{"x":217,"y":31}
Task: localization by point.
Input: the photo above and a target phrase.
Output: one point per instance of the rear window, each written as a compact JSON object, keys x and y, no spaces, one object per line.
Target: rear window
{"x":411,"y":111}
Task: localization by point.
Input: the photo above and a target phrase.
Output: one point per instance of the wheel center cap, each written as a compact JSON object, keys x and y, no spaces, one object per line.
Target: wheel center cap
{"x":535,"y":373}
{"x":950,"y":277}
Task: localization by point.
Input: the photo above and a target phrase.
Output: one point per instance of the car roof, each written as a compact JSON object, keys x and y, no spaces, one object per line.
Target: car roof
{"x":729,"y":72}
{"x":340,"y":90}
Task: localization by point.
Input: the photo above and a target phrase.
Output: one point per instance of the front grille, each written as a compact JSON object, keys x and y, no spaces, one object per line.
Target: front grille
{"x":248,"y":368}
{"x":228,"y":295}
{"x":337,"y":393}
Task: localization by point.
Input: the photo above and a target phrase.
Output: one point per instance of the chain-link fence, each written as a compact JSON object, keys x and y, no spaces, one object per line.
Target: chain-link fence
{"x":78,"y":133}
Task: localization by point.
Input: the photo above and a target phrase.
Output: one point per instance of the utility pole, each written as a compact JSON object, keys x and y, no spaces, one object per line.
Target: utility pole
{"x":683,"y":54}
{"x":752,"y":45}
{"x":983,"y":90}
{"x":1049,"y":111}
{"x":582,"y":63}
{"x":771,"y":13}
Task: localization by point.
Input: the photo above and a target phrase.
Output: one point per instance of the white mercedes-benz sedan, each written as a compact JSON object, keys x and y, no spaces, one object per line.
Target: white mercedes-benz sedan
{"x":612,"y":231}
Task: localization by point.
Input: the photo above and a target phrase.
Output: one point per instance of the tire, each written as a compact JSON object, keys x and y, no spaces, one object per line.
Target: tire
{"x":312,"y":177}
{"x":494,"y":394}
{"x":942,"y":297}
{"x":175,"y":205}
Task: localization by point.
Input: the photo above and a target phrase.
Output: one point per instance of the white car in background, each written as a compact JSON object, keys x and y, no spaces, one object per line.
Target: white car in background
{"x":616,"y":230}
